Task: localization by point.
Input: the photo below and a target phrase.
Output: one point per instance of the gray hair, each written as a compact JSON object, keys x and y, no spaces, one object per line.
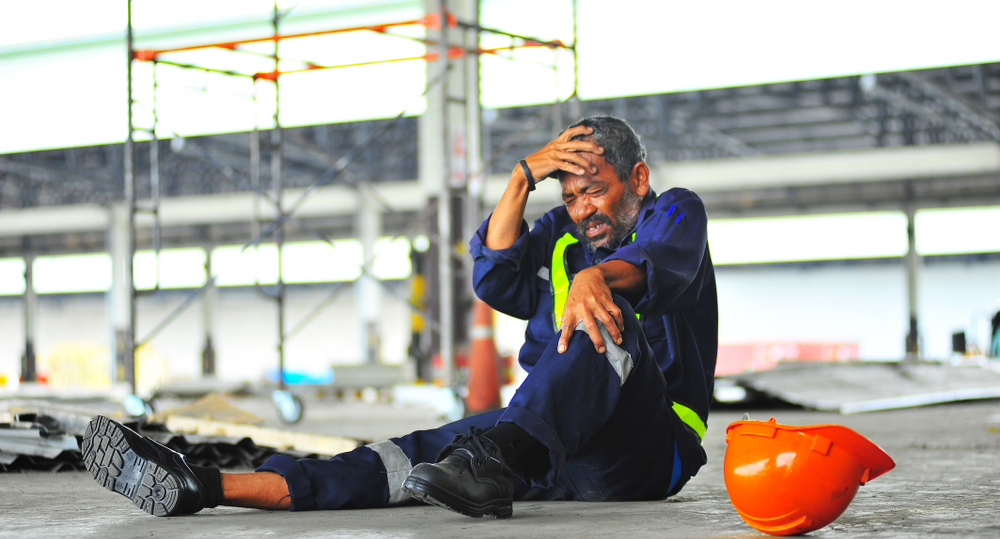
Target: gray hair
{"x":622,"y":146}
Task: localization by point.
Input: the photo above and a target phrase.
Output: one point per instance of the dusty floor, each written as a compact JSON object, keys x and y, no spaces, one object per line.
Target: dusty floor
{"x":946,"y":483}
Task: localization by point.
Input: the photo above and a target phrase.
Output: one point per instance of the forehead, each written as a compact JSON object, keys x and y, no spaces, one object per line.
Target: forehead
{"x":605,"y":173}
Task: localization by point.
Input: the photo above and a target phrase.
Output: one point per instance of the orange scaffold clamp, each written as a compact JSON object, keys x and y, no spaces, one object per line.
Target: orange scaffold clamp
{"x":786,"y":480}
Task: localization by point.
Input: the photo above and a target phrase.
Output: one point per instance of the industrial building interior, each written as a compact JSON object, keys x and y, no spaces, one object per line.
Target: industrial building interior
{"x":243,"y":201}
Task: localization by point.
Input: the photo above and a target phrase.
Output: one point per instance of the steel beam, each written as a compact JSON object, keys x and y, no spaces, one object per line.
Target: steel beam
{"x":984,"y":120}
{"x":735,"y":174}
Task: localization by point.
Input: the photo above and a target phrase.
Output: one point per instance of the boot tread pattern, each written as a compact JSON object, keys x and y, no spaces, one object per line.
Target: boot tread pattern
{"x":116,"y":467}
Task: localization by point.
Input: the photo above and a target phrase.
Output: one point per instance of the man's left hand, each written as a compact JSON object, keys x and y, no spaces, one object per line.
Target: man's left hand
{"x":588,"y":301}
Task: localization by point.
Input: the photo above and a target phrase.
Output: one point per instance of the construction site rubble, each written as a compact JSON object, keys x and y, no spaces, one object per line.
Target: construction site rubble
{"x":45,"y":436}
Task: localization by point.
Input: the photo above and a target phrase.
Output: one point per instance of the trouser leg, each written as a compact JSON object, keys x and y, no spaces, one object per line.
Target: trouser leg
{"x":369,"y":476}
{"x":605,"y":418}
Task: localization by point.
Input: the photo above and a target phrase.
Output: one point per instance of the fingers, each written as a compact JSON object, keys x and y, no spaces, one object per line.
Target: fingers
{"x":612,"y":320}
{"x":574,"y":131}
{"x":613,"y":324}
{"x":565,"y":155}
{"x":595,"y":335}
{"x":568,"y":157}
{"x":590,"y":325}
{"x":574,"y":163}
{"x":616,"y":316}
{"x":578,"y":146}
{"x":564,"y":338}
{"x":583,"y":145}
{"x":563,"y":140}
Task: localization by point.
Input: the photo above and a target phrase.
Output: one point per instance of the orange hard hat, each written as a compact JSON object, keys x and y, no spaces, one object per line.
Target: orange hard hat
{"x":786,"y":480}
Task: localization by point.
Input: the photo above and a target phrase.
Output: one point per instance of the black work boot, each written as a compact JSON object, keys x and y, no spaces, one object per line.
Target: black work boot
{"x":156,"y":478}
{"x":470,"y":478}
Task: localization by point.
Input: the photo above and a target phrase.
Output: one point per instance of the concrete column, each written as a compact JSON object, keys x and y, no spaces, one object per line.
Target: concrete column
{"x":433,"y":169}
{"x":444,"y":163}
{"x":119,"y":298}
{"x":475,"y":174}
{"x":367,"y":289}
{"x":914,"y":263}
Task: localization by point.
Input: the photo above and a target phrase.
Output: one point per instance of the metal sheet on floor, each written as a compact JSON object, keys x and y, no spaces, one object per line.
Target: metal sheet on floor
{"x":851,"y":387}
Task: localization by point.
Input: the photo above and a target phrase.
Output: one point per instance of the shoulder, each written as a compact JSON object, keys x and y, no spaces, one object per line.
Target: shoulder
{"x":678,"y":195}
{"x":679,"y":199}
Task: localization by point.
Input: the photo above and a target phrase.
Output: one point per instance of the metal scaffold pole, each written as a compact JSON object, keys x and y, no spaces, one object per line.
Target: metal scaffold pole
{"x":154,"y":184}
{"x":449,"y":148}
{"x":445,"y":281}
{"x":277,"y":179}
{"x":128,"y":336}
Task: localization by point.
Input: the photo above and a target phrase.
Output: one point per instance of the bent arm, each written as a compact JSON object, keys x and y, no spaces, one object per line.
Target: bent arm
{"x":670,"y":247}
{"x":657,"y":272}
{"x":622,"y":277}
{"x":590,"y":300}
{"x":505,"y":223}
{"x":560,"y":154}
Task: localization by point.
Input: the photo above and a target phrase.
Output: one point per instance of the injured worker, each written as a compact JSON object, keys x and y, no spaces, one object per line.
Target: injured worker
{"x":618,"y":289}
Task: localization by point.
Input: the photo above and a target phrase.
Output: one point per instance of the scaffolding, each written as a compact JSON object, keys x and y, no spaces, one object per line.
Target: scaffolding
{"x":452,"y":55}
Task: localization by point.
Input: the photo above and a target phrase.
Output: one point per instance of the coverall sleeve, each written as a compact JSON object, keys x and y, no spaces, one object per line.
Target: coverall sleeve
{"x":506,"y":279}
{"x":670,"y":245}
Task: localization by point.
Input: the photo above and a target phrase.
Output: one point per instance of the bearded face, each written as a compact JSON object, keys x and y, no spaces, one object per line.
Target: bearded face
{"x":604,"y":207}
{"x":616,"y":227}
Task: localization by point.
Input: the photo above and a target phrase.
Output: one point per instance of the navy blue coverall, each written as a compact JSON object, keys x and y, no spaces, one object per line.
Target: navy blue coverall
{"x":624,"y":425}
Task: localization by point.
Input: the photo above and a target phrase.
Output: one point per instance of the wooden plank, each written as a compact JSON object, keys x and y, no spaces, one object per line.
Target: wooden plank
{"x":263,"y":436}
{"x":211,"y":407}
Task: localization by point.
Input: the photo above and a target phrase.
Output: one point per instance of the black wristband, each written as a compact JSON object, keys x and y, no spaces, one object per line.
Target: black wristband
{"x":527,"y":174}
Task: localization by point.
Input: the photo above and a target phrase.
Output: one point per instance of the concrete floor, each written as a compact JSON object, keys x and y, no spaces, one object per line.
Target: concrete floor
{"x":946,"y":483}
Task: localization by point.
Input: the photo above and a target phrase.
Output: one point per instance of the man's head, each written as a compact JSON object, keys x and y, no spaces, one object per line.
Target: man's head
{"x":605,"y":205}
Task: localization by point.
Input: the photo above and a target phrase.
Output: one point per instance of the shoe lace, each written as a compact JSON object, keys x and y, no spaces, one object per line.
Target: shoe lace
{"x":475,"y":442}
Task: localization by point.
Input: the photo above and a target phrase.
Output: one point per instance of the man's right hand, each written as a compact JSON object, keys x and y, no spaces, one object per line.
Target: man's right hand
{"x":562,"y":154}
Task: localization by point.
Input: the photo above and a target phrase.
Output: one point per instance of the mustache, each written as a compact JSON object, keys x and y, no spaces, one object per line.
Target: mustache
{"x":596,"y":217}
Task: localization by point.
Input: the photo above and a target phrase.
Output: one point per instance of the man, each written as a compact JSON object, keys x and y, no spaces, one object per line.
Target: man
{"x":618,"y":289}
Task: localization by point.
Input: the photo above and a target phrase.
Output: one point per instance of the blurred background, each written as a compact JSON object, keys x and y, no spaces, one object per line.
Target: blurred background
{"x":236,"y":189}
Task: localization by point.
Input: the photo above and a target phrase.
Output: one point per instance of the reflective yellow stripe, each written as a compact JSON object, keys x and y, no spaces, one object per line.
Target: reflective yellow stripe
{"x":560,"y":280}
{"x":691,"y":419}
{"x":560,"y":290}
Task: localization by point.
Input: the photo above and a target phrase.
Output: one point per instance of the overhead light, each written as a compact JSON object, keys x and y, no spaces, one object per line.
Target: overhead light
{"x":177,"y":144}
{"x":867,"y":82}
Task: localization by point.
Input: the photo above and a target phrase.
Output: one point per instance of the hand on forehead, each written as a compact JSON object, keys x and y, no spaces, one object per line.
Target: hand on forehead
{"x":599,"y":164}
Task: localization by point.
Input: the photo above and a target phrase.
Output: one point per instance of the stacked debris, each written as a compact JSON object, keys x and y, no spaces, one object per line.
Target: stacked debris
{"x":36,"y":442}
{"x":42,"y":436}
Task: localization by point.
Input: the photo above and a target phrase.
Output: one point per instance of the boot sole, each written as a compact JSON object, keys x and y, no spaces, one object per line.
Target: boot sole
{"x":116,"y":466}
{"x":428,"y":493}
